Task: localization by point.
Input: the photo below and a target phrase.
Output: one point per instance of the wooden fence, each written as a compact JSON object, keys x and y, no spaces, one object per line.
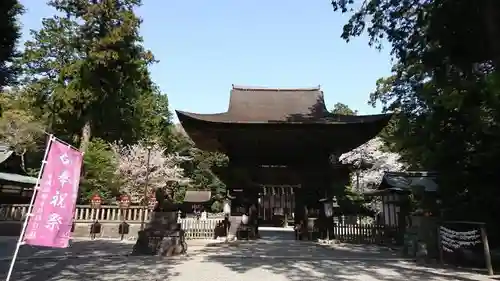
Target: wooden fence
{"x":84,"y":214}
{"x":204,"y":229}
{"x":366,"y":234}
{"x":199,"y":229}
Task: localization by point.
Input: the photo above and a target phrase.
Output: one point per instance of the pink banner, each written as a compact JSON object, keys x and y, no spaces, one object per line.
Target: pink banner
{"x":52,"y":215}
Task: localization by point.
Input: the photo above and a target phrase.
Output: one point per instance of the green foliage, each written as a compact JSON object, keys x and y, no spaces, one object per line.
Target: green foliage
{"x":154,"y":119}
{"x":217,"y":206}
{"x":18,"y":127}
{"x":10,"y":11}
{"x":343,"y":109}
{"x":200,"y":168}
{"x":99,"y":172}
{"x":444,"y":35}
{"x":88,"y":73}
{"x":445,"y":90}
{"x":84,"y":78}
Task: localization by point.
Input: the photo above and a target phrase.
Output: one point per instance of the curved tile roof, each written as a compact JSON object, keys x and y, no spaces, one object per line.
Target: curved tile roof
{"x":277,"y":105}
{"x":269,"y":117}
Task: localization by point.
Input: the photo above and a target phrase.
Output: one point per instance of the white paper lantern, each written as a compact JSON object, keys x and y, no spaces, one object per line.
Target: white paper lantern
{"x":328,"y":209}
{"x":244,"y":219}
{"x":227,"y":207}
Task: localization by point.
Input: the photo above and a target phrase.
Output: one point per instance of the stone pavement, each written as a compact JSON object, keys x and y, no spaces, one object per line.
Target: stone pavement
{"x":276,"y":257}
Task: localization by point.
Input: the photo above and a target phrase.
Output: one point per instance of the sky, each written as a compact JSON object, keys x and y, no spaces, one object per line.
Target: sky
{"x":204,"y":47}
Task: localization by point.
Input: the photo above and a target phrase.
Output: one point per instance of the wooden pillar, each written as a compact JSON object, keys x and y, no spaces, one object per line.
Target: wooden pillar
{"x":299,"y":214}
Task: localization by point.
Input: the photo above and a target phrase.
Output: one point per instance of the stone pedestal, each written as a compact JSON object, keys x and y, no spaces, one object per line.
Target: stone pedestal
{"x":236,"y":227}
{"x":161,"y":236}
{"x":234,"y":224}
{"x":427,"y":235}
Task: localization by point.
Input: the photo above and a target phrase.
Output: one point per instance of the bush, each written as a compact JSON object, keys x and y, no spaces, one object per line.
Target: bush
{"x":99,"y":172}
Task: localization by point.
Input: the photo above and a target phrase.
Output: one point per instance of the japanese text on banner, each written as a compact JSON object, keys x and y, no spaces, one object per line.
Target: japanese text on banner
{"x":50,"y":224}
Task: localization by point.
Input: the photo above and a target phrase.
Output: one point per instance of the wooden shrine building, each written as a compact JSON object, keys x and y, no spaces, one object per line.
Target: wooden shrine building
{"x":15,"y":187}
{"x":283,"y":147}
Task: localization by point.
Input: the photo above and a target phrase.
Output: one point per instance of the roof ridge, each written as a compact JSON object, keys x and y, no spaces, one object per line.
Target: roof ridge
{"x":261,"y":88}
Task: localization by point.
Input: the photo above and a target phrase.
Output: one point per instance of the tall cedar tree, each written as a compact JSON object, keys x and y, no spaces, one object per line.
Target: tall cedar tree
{"x":10,"y":10}
{"x":87,"y":72}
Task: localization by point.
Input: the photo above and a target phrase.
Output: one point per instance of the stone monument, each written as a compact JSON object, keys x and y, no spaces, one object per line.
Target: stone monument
{"x":162,"y":235}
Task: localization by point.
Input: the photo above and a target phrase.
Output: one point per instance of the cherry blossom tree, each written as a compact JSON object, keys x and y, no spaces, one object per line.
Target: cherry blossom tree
{"x":164,"y":169}
{"x":370,"y":161}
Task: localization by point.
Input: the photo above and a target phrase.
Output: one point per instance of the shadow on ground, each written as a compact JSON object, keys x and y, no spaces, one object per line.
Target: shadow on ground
{"x":88,"y":260}
{"x":276,"y":257}
{"x":278,"y":254}
{"x":76,"y":248}
{"x":281,"y":244}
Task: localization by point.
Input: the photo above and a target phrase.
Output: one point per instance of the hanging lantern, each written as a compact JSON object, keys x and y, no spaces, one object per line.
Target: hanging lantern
{"x":335,"y":203}
{"x":124,"y":201}
{"x":95,"y":201}
{"x":152,"y":202}
{"x":328,"y":206}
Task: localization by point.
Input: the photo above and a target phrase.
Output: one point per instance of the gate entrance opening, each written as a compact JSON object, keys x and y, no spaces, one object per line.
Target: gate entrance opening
{"x":277,"y":204}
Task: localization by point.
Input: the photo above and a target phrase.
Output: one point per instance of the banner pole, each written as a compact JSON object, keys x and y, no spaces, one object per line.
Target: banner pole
{"x":30,"y":208}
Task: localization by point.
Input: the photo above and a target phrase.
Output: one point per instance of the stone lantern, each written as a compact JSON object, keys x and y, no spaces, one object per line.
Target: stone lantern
{"x":95,"y":204}
{"x":244,"y":219}
{"x":124,"y":204}
{"x":329,"y":205}
{"x":124,"y":201}
{"x":226,"y":207}
{"x":95,"y":201}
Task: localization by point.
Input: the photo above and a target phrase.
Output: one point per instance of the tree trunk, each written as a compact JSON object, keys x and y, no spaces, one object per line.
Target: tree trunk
{"x":85,"y":139}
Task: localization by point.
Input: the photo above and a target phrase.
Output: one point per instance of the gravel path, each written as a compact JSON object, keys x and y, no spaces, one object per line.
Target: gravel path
{"x":276,"y":258}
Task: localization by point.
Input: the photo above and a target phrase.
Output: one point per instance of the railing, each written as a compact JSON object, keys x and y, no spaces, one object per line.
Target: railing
{"x":203,"y":229}
{"x":84,"y":214}
{"x":199,"y":229}
{"x":13,"y":212}
{"x":366,"y":233}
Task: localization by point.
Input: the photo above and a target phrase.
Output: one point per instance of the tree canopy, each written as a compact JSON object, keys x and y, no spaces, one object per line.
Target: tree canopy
{"x":445,"y":90}
{"x":84,"y":77}
{"x":87,"y":72}
{"x":343,"y":109}
{"x":10,"y":11}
